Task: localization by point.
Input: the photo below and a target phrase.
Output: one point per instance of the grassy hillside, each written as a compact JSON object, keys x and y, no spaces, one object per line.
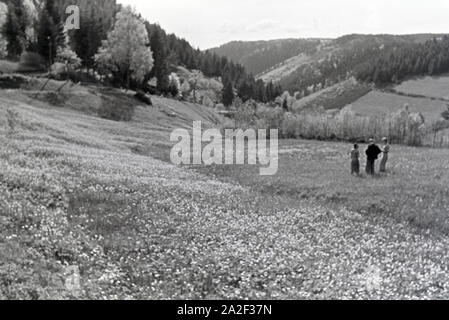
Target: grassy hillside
{"x":334,"y":97}
{"x":8,"y":67}
{"x":287,"y":67}
{"x":433,"y":87}
{"x":415,"y":189}
{"x":88,"y":212}
{"x":427,"y":96}
{"x":378,"y":102}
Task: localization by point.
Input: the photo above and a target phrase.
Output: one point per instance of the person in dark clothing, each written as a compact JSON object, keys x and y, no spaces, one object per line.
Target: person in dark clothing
{"x":372,"y":154}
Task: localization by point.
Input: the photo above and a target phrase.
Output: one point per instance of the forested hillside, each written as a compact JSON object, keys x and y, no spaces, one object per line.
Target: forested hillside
{"x":34,"y":31}
{"x":397,"y":63}
{"x":382,"y":59}
{"x":360,"y":55}
{"x":174,"y":51}
{"x":259,"y":56}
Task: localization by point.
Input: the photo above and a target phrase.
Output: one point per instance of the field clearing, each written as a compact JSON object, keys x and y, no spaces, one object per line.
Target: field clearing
{"x":87,"y":211}
{"x":334,"y":97}
{"x":8,"y":66}
{"x":382,"y":103}
{"x":437,"y":87}
{"x":285,"y":68}
{"x":415,"y":190}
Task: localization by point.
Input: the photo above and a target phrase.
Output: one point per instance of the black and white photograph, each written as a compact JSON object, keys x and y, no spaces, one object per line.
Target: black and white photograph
{"x":238,"y":150}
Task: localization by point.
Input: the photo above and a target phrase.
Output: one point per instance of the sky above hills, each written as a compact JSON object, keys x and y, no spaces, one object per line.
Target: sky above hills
{"x":209,"y":23}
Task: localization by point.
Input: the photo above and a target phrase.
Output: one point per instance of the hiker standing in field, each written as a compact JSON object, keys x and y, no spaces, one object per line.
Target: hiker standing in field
{"x":372,"y":154}
{"x":355,"y":162}
{"x":385,"y":151}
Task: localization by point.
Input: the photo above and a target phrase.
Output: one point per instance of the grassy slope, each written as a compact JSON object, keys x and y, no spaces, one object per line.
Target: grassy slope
{"x":335,"y":97}
{"x":290,"y":66}
{"x":378,"y":102}
{"x":8,"y":67}
{"x":437,"y":87}
{"x":416,"y":188}
{"x":285,"y":68}
{"x":88,"y":193}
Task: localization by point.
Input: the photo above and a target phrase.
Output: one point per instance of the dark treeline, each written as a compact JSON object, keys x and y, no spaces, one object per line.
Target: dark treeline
{"x":170,"y":51}
{"x":398,"y":63}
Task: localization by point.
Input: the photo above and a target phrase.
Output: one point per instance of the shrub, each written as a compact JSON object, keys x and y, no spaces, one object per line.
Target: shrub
{"x":78,"y":76}
{"x":54,"y":98}
{"x":246,"y":115}
{"x":112,"y":109}
{"x":445,"y":114}
{"x":402,"y":127}
{"x":142,"y":97}
{"x":69,"y":58}
{"x":31,"y":62}
{"x":3,"y":47}
{"x":12,"y":119}
{"x":10,"y":81}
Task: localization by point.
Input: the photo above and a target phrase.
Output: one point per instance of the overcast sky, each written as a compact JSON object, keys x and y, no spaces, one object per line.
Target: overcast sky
{"x":209,"y":23}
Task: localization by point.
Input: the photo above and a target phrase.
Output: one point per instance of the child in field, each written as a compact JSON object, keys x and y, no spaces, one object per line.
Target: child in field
{"x":355,"y":160}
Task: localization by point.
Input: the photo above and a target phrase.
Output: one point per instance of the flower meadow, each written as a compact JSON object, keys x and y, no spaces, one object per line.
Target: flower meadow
{"x":89,"y":210}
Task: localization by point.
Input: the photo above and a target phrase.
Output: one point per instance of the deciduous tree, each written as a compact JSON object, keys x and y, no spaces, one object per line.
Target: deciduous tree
{"x":125,"y":53}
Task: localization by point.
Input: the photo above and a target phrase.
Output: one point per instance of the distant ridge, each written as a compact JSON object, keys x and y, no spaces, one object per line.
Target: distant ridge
{"x":298,"y":64}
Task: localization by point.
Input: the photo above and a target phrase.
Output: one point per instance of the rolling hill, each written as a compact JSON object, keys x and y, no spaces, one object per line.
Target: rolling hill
{"x":333,"y":74}
{"x":433,"y":87}
{"x":310,"y":62}
{"x":427,"y":95}
{"x":379,"y":102}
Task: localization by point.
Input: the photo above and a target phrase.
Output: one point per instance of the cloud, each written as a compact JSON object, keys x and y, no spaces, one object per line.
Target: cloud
{"x":210,"y":23}
{"x":263,"y":25}
{"x":229,"y":28}
{"x":373,"y":19}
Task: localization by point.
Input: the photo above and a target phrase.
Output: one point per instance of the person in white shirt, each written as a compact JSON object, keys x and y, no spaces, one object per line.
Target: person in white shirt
{"x":385,"y":152}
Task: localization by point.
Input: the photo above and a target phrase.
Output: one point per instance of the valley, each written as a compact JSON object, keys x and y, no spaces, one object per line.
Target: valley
{"x":94,"y":204}
{"x":85,"y":198}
